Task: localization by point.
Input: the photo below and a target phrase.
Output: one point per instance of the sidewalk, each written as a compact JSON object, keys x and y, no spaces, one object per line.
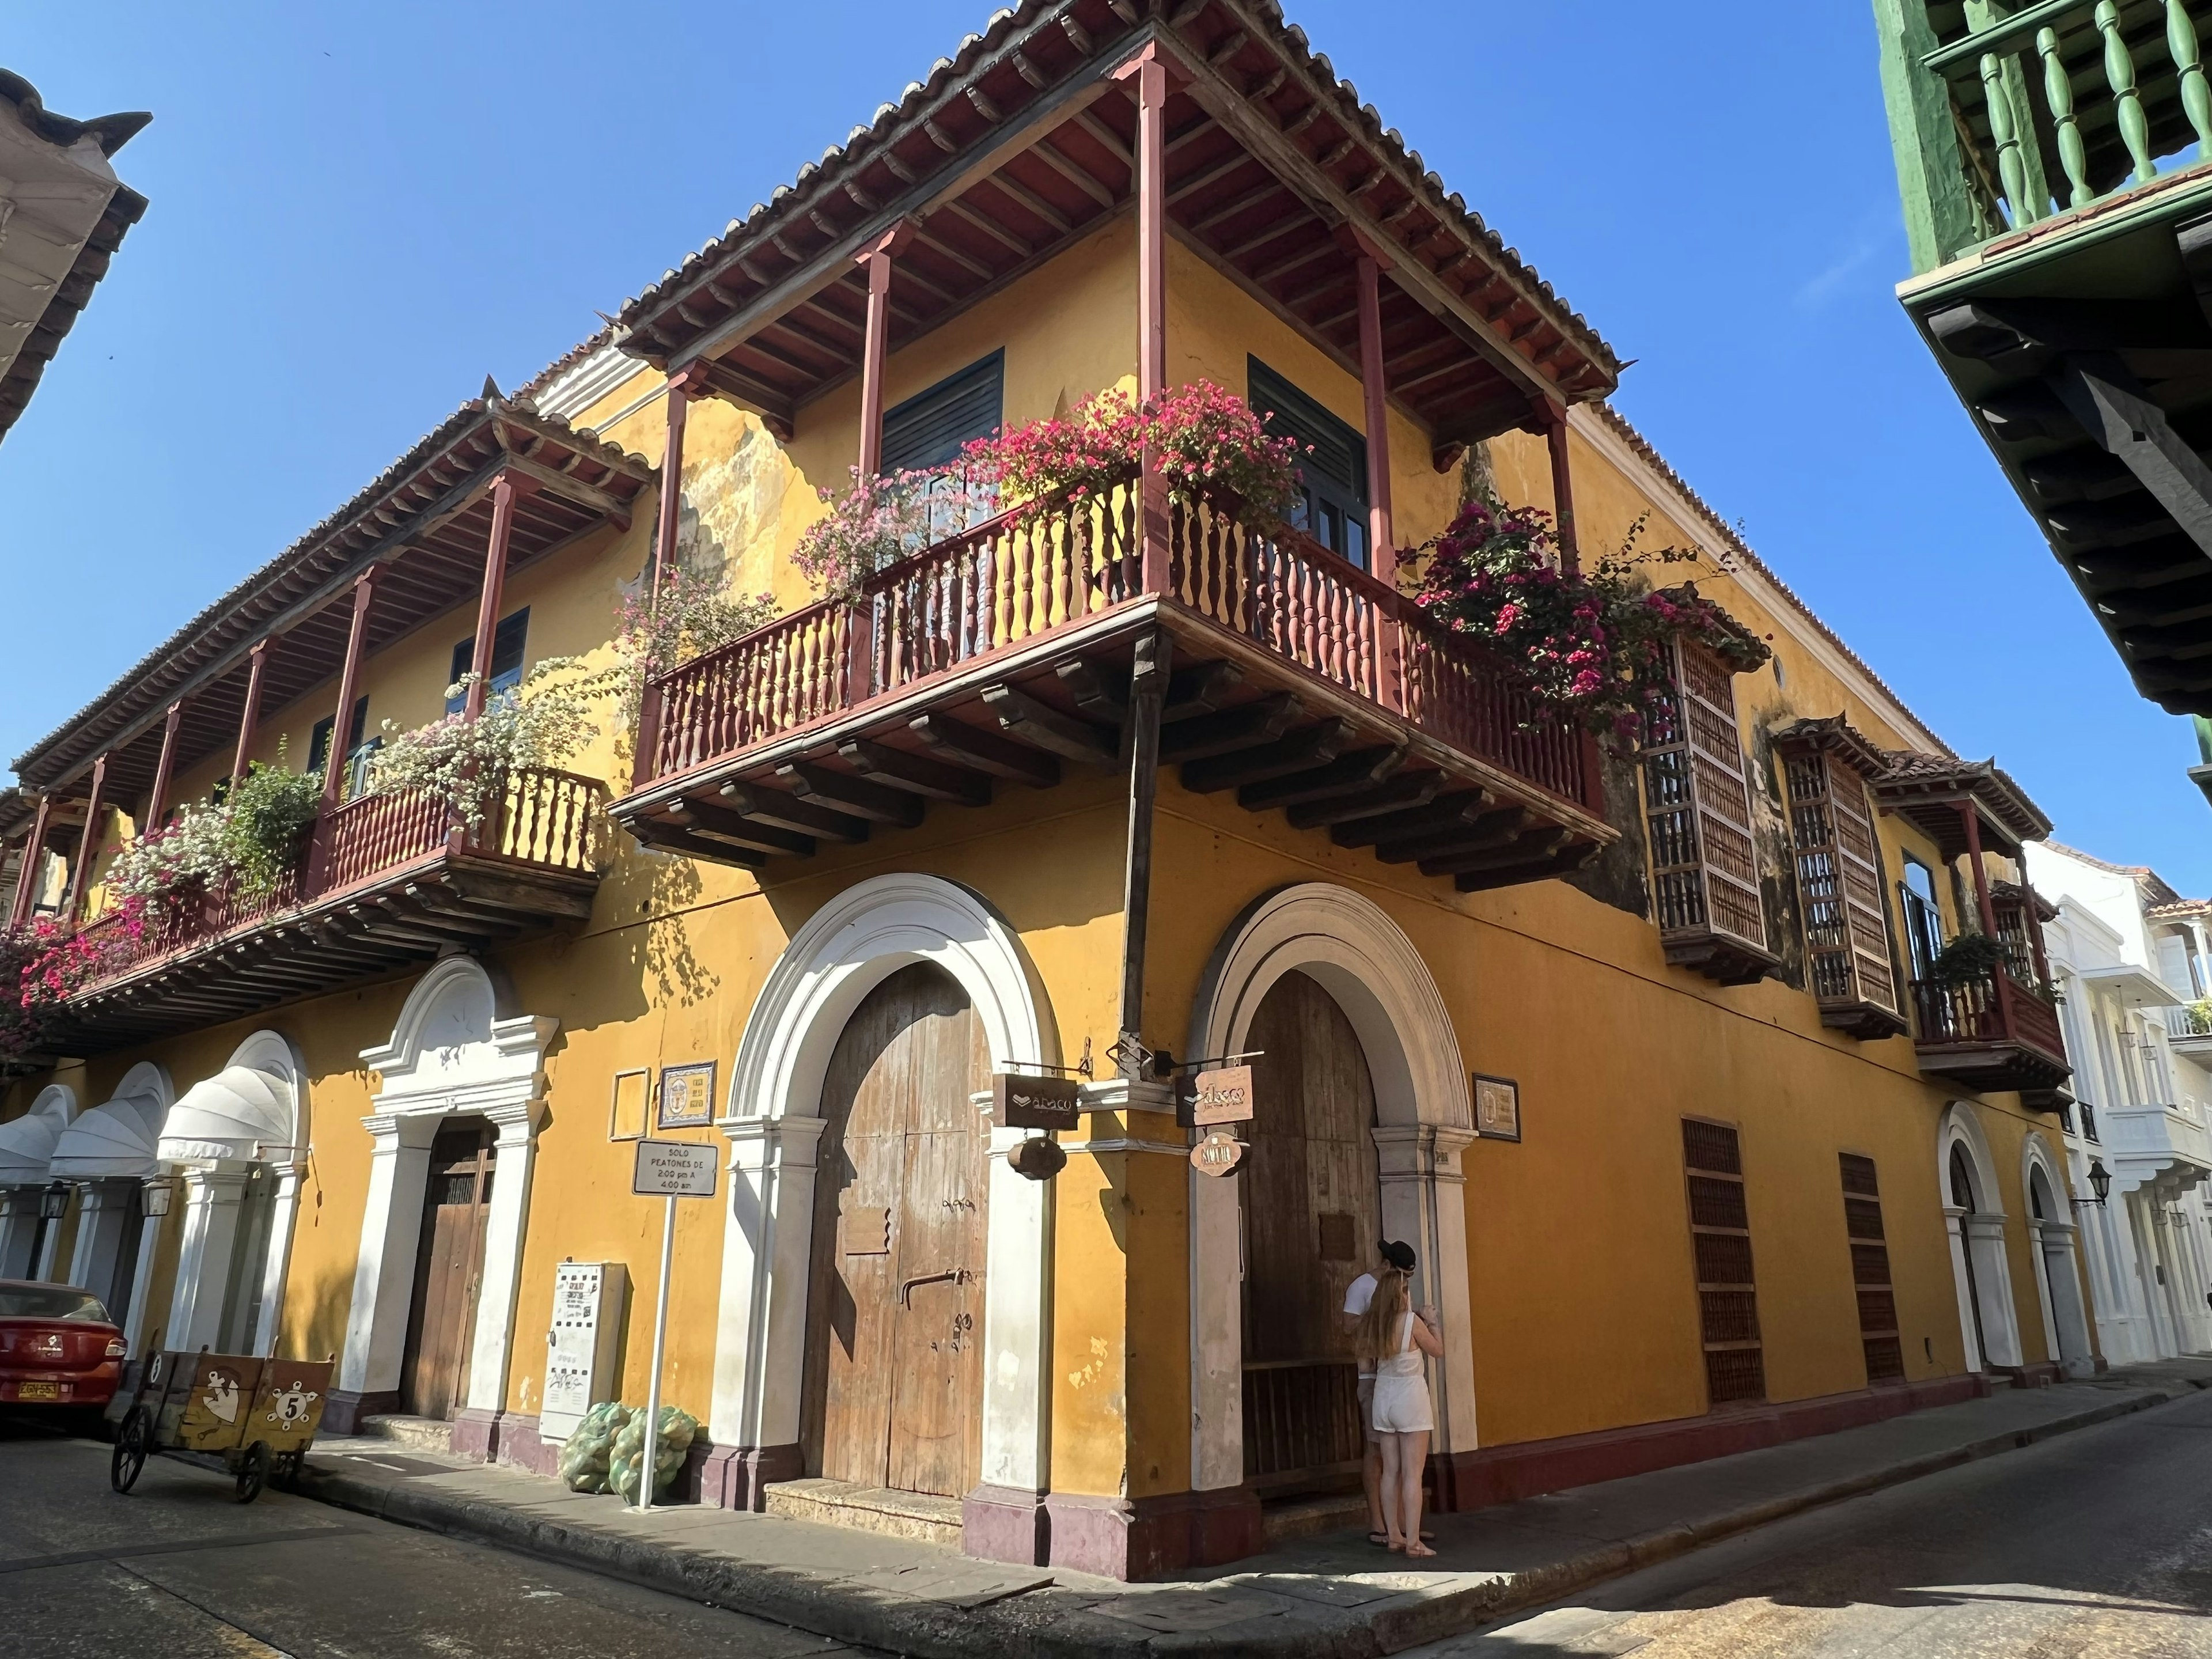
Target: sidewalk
{"x":1336,"y":1595}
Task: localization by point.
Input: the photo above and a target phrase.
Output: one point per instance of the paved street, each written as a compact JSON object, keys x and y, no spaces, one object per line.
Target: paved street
{"x":177,"y":1569}
{"x":2097,"y":1543}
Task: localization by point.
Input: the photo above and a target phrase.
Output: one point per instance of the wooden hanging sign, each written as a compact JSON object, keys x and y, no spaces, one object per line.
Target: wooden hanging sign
{"x":1218,"y":1154}
{"x":1222,"y":1095}
{"x":1019,"y":1101}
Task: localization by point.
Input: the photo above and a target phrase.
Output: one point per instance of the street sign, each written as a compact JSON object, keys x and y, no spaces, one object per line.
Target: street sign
{"x":1222,"y":1095}
{"x":1218,"y":1154}
{"x":674,"y":1168}
{"x":1019,"y":1101}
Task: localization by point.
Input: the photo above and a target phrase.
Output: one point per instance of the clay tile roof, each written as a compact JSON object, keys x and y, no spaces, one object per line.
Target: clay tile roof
{"x":1913,"y":774}
{"x":1833,"y":734}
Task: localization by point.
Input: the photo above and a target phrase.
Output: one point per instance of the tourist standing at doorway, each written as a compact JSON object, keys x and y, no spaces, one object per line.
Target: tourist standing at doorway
{"x":1397,"y":1339}
{"x":1392,"y":1253}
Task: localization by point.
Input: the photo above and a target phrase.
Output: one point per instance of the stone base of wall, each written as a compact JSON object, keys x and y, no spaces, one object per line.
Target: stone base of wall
{"x":343,"y":1411}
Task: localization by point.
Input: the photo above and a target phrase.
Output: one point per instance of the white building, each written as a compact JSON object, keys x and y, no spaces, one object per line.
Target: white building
{"x":2129,"y":957}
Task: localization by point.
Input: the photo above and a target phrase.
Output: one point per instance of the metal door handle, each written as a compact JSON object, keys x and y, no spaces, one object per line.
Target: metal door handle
{"x":950,"y":1275}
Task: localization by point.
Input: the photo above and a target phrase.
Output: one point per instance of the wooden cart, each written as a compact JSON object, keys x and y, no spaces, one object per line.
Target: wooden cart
{"x":258,"y":1416}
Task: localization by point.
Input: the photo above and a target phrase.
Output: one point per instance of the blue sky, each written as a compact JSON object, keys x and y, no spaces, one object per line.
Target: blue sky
{"x":358,"y":212}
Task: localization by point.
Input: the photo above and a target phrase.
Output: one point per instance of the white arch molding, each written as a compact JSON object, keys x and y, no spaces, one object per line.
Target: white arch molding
{"x":457,"y":1050}
{"x":774,"y":1122}
{"x":1425,"y":1120}
{"x":246,"y":1123}
{"x":27,"y":1150}
{"x":109,"y":1153}
{"x":2057,"y":1271}
{"x":1980,"y":1235}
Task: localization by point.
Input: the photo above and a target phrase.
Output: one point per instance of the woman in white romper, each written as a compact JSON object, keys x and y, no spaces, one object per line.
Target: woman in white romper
{"x":1399,"y":1340}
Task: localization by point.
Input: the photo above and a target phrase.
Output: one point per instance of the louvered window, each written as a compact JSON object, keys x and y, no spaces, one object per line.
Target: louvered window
{"x":1331,"y":504}
{"x":1720,"y":1237}
{"x":1697,"y":803}
{"x":926,"y":433}
{"x":1840,"y":882}
{"x":1878,"y":1335}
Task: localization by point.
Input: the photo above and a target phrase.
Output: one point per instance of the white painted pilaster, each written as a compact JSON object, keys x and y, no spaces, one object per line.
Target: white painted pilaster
{"x":500,"y":1285}
{"x":104,"y":1212}
{"x":384,"y":1272}
{"x":1424,"y":1202}
{"x":212,"y":1198}
{"x":284,"y":1212}
{"x":760,"y":1345}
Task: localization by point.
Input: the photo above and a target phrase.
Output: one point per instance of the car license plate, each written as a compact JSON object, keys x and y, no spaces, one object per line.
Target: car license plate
{"x":38,"y":1391}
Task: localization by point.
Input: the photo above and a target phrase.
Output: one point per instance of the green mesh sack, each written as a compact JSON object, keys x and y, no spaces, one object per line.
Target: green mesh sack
{"x":677,"y":1429}
{"x":584,"y":1457}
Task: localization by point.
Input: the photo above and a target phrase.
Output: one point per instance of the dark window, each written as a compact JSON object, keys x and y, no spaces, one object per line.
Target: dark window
{"x":1924,"y":920}
{"x":507,"y":642}
{"x":358,"y":748}
{"x":926,"y":433}
{"x":1878,"y":1334}
{"x":1332,"y":504}
{"x":1720,"y":1240}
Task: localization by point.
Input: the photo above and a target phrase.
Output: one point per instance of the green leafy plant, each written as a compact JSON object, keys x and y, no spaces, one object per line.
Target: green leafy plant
{"x":266,"y":813}
{"x":541,"y":724}
{"x":1969,"y":959}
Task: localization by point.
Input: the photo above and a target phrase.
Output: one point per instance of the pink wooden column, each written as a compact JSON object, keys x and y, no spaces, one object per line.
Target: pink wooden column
{"x":1148,"y":71}
{"x":158,"y":802}
{"x":1369,"y":263}
{"x":364,"y":596}
{"x":1554,"y":418}
{"x":684,"y":385}
{"x":89,"y":842}
{"x":34,"y":850}
{"x":504,"y":488}
{"x":877,"y":262}
{"x":257,"y":663}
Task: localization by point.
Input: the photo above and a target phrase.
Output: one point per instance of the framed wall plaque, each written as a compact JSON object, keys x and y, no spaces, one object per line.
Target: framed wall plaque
{"x":627,"y":1113}
{"x":1497,"y":1108}
{"x":1020,"y":1100}
{"x":687,"y":1096}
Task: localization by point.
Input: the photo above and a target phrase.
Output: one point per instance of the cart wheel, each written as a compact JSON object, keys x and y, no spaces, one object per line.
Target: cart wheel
{"x":253,"y":1471}
{"x":131,"y":1447}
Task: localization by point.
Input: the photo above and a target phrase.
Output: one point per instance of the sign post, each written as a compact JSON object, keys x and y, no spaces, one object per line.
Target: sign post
{"x":671,"y":1169}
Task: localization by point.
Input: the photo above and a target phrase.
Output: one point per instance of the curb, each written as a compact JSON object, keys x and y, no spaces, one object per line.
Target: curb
{"x":1056,"y":1622}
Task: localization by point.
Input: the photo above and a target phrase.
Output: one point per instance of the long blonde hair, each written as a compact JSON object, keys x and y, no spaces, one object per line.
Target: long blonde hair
{"x":1377,"y":1335}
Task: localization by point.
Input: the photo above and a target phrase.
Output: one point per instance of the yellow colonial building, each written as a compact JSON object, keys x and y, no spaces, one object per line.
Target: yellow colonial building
{"x":1646,"y":1052}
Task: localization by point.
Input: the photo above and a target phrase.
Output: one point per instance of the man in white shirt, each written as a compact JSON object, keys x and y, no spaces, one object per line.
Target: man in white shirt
{"x":1357,"y":1296}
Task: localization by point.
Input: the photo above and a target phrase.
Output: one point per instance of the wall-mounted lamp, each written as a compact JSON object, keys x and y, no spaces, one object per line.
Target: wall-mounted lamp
{"x":153,"y":1197}
{"x":53,"y":1202}
{"x":2100,"y":1181}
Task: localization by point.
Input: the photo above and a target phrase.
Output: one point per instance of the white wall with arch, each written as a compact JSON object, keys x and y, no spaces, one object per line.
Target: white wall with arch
{"x":26,"y":1151}
{"x":108,"y":1154}
{"x":1425,"y":1120}
{"x":2055,"y":1240}
{"x":1988,"y":1323}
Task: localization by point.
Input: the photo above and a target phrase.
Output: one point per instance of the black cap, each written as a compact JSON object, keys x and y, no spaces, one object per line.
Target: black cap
{"x":1398,"y":1255}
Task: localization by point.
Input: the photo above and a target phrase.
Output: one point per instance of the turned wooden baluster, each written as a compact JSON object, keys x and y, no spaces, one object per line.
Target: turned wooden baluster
{"x":2188,"y":62}
{"x":2120,"y":72}
{"x":2058,"y":88}
{"x":2004,"y":130}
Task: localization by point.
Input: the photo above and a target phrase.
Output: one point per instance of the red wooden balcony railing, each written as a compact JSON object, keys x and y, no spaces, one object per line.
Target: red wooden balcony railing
{"x":1031,"y":572}
{"x":1995,"y":1009}
{"x":545,"y":819}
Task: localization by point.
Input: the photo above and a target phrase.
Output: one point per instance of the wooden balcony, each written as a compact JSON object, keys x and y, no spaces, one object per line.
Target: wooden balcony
{"x":383,"y":882}
{"x":1991,"y":1035}
{"x":1002,"y":654}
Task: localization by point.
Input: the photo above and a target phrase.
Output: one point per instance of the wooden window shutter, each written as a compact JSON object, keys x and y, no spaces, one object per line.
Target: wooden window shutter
{"x":1878,"y":1333}
{"x":1839,"y":879}
{"x":1720,"y":1238}
{"x":1705,"y":864}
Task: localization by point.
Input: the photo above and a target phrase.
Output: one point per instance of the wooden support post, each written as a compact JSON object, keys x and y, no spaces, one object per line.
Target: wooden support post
{"x":257,"y":662}
{"x":1148,"y":684}
{"x":1554,"y":418}
{"x":1369,"y":263}
{"x":89,"y":842}
{"x":364,"y":595}
{"x":876,"y":261}
{"x":26,"y":879}
{"x":2034,"y":924}
{"x":503,"y":490}
{"x":1972,"y":819}
{"x":684,"y":385}
{"x":1148,"y":71}
{"x":164,"y":770}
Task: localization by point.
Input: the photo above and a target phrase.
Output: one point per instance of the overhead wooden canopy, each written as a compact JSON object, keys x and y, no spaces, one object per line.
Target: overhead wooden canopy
{"x":1022,"y":145}
{"x":1928,"y":790}
{"x":426,"y":521}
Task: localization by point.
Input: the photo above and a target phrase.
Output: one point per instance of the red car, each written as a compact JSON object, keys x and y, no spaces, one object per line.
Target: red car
{"x":58,"y":1348}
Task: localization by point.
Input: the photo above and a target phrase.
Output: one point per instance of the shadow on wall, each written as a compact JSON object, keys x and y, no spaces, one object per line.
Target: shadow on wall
{"x":315,"y":1322}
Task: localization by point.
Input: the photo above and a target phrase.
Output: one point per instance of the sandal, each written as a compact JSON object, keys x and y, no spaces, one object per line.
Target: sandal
{"x":1380,"y":1539}
{"x":1420,"y":1551}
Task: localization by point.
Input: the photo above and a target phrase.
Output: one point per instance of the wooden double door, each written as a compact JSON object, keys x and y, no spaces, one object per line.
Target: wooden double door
{"x":895,"y":1306}
{"x":1312,"y":1214}
{"x":441,"y":1321}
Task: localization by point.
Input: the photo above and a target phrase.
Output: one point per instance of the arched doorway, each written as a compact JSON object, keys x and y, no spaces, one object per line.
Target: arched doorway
{"x":1988,"y":1327}
{"x":894,"y":1347}
{"x":2057,"y":1274}
{"x":441,"y":1318}
{"x":1312,"y":1212}
{"x":1962,"y":1197}
{"x":109,"y":1153}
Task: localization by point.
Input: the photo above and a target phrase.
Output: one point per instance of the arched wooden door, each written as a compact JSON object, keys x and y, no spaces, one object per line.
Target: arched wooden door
{"x":895,"y":1305}
{"x":441,"y":1321}
{"x":1313,"y":1208}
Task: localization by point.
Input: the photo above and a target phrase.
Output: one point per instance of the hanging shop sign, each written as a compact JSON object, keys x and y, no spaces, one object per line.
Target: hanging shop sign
{"x":1497,"y":1108}
{"x":1221,"y":1096}
{"x":1019,"y":1101}
{"x":1218,"y":1154}
{"x":1037,"y":1160}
